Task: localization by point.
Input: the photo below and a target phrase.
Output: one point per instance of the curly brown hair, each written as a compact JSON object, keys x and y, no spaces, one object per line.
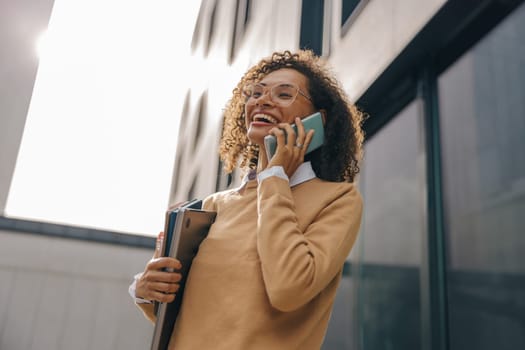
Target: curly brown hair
{"x":338,"y":159}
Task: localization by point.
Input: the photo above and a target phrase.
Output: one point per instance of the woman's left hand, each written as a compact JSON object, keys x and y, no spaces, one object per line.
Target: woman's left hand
{"x":291,"y":147}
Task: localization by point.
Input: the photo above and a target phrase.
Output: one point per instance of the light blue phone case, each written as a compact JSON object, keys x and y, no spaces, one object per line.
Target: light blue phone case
{"x":314,"y":121}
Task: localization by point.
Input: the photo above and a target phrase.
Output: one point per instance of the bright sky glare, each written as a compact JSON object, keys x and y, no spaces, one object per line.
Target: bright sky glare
{"x":100,"y":137}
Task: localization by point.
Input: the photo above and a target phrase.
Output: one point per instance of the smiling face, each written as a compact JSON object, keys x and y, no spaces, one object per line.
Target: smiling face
{"x":262,"y":113}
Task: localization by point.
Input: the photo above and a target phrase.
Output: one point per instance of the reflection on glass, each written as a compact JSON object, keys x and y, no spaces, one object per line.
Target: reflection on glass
{"x":341,"y":333}
{"x":482,"y":107}
{"x":343,"y":330}
{"x":391,"y":239}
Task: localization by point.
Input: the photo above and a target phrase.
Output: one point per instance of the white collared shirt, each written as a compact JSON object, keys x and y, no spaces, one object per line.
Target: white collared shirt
{"x":303,"y":173}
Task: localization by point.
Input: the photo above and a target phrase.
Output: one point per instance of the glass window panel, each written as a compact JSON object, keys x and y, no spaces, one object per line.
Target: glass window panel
{"x":347,"y":9}
{"x":393,"y":183}
{"x":482,"y":108}
{"x":341,"y":333}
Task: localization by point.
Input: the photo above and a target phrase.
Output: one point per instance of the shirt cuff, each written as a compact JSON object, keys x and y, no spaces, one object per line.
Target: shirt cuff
{"x":275,"y":170}
{"x":132,"y":291}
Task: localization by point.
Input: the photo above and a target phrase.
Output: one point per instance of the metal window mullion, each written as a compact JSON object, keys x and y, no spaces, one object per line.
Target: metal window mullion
{"x":436,"y":286}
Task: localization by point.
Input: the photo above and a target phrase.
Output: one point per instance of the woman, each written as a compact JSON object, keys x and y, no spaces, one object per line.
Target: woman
{"x":266,"y":276}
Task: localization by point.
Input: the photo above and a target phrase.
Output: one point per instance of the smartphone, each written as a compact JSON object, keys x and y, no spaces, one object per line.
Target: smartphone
{"x":314,"y":121}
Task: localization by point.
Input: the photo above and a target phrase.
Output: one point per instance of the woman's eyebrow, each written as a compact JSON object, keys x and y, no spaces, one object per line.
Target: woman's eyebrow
{"x":277,"y":83}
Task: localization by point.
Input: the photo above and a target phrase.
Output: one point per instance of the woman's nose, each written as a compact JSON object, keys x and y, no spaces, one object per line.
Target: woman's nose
{"x":264,"y":100}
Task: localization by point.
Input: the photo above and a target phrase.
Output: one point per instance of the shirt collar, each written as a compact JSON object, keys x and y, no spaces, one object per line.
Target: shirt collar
{"x":303,"y":173}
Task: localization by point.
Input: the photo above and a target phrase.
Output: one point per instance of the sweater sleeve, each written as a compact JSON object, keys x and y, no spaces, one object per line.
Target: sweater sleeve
{"x":298,"y":265}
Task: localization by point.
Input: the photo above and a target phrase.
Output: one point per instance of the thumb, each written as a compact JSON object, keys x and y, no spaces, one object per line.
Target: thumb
{"x":158,"y":245}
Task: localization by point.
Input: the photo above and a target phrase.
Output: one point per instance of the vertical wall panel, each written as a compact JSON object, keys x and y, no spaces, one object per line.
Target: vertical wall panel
{"x":128,"y":322}
{"x":105,"y":333}
{"x":23,"y":304}
{"x":69,"y":294}
{"x":49,"y":316}
{"x":7,"y":276}
{"x":80,"y":306}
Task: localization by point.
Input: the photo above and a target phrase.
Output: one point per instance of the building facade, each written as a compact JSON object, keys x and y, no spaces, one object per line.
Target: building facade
{"x":438,"y":263}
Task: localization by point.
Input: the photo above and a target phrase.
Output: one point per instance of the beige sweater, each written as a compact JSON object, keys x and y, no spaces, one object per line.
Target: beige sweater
{"x":266,"y":276}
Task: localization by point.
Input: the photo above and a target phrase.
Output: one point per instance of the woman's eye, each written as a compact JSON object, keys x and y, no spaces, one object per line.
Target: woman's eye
{"x":285,"y":95}
{"x":256,"y":94}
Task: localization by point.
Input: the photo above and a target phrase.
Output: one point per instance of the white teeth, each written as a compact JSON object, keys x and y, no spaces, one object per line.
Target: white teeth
{"x":265,"y":118}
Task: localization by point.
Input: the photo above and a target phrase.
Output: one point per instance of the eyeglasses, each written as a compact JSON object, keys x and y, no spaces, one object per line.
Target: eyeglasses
{"x":282,"y":94}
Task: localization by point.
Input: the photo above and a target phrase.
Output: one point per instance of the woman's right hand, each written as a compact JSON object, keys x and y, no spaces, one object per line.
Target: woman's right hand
{"x":160,"y":279}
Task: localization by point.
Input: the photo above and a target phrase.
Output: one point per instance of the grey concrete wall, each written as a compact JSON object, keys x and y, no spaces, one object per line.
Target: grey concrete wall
{"x":375,"y":38}
{"x":68,"y":294}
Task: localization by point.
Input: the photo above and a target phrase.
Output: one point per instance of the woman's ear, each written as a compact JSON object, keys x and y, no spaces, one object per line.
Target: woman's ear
{"x":323,"y":115}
